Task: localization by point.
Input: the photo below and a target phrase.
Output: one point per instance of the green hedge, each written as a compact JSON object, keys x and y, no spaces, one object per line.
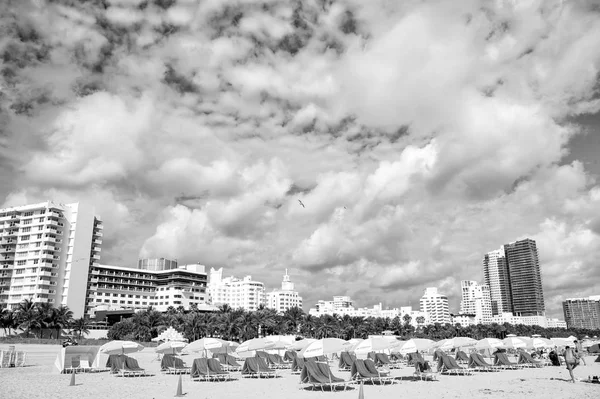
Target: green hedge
{"x":46,"y":341}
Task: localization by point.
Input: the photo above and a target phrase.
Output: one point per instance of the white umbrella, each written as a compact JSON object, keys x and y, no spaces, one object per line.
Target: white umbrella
{"x":206,"y":344}
{"x":534,"y":343}
{"x":457,"y":342}
{"x":256,"y":344}
{"x":373,"y":344}
{"x":416,"y":345}
{"x":562,"y":341}
{"x":170,"y":347}
{"x":489,"y":343}
{"x":301,"y":344}
{"x":514,"y":342}
{"x":324,"y":346}
{"x":120,"y":347}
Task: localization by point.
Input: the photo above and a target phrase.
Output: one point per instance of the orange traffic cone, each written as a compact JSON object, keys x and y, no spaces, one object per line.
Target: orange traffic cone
{"x":72,"y":384}
{"x":179,"y":393}
{"x":361,"y":394}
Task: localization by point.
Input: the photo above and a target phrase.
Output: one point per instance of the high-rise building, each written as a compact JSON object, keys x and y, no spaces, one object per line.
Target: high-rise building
{"x":435,"y":305}
{"x":285,"y":298}
{"x":525,"y":278}
{"x":582,"y":312}
{"x":476,"y":301}
{"x":157,"y":264}
{"x":515,"y":280}
{"x":46,"y":251}
{"x":237,"y":293}
{"x":118,"y":287}
{"x":495,"y":272}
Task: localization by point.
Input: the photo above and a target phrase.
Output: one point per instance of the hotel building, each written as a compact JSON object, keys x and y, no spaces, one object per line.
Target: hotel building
{"x":46,"y":250}
{"x":285,"y":298}
{"x":582,"y":312}
{"x":117,"y":287}
{"x":495,"y":272}
{"x":238,"y":293}
{"x":476,"y":301}
{"x":435,"y":305}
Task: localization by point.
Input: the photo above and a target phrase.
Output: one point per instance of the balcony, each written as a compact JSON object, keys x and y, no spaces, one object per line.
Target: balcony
{"x":42,"y":291}
{"x":7,"y":249}
{"x":99,"y":226}
{"x":44,"y":274}
{"x":97,"y":241}
{"x":7,"y":258}
{"x":48,"y":238}
{"x":98,"y":234}
{"x":50,"y":248}
{"x":52,"y":222}
{"x":95,"y":256}
{"x":96,"y":249}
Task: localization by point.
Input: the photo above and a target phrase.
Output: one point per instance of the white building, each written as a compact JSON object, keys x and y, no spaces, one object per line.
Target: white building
{"x":541,"y":321}
{"x":342,"y":306}
{"x":46,"y":250}
{"x":436,"y":306}
{"x":417,"y":318}
{"x":118,"y":287}
{"x":476,"y":301}
{"x":556,"y":323}
{"x":237,"y":293}
{"x":285,"y":298}
{"x":507,"y":317}
{"x":464,"y":320}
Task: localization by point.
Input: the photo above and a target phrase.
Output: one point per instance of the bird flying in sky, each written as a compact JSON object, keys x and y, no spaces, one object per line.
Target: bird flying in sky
{"x":301,"y":204}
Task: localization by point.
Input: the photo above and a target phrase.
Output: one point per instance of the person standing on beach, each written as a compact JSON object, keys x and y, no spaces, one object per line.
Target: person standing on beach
{"x":579,"y":351}
{"x":571,"y":361}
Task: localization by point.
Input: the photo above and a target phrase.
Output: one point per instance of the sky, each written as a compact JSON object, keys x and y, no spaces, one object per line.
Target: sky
{"x":418,"y":135}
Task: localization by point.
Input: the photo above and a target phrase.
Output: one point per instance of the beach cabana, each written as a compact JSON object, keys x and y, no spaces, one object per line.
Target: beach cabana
{"x":78,"y":358}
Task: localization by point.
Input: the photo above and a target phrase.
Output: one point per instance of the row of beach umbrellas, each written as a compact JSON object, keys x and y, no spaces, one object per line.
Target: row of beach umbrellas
{"x":319,"y":347}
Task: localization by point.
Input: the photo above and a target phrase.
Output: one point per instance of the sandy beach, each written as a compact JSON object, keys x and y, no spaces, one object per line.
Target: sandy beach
{"x":40,"y":379}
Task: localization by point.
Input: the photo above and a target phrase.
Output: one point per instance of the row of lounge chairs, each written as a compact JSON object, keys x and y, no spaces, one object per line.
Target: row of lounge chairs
{"x":124,"y":366}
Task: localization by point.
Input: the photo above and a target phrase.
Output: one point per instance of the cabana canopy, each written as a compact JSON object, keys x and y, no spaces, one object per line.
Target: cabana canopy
{"x":170,"y":334}
{"x":66,"y":356}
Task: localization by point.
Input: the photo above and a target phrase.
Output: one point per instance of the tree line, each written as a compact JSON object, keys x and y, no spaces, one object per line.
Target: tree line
{"x":35,"y":318}
{"x":240,"y":325}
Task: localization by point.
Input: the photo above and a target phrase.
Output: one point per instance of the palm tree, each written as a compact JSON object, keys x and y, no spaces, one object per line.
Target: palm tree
{"x":81,"y":326}
{"x":45,"y":317}
{"x":27,"y":315}
{"x":293,"y":318}
{"x":62,"y":318}
{"x":7,"y":320}
{"x":247,"y":326}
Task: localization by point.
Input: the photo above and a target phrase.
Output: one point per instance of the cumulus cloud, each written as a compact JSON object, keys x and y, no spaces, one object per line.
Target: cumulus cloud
{"x":418,"y":135}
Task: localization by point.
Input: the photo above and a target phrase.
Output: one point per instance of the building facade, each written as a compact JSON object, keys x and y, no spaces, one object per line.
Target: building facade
{"x":582,"y":312}
{"x":46,"y":250}
{"x":435,"y":305}
{"x":476,"y":301}
{"x":495,"y":273}
{"x":238,"y":293}
{"x":525,"y":278}
{"x":118,"y":287}
{"x":157,"y":264}
{"x":285,"y":298}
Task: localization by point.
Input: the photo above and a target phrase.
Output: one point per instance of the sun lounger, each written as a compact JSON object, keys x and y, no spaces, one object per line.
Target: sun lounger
{"x":502,"y":361}
{"x":297,"y":365}
{"x":372,"y":367}
{"x":478,"y":363}
{"x":20,"y":358}
{"x":200,"y":370}
{"x":424,"y":371}
{"x":319,"y":375}
{"x":276,"y":361}
{"x":346,"y":361}
{"x":461,"y":357}
{"x":360,"y":372}
{"x":228,"y":362}
{"x":448,"y":365}
{"x":526,"y":360}
{"x":290,"y":356}
{"x":214,"y":365}
{"x":257,"y":367}
{"x":5,"y":357}
{"x":171,"y":364}
{"x":414,"y":357}
{"x":131,"y":368}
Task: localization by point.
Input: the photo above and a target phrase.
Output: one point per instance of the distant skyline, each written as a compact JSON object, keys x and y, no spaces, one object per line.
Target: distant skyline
{"x":373,"y":147}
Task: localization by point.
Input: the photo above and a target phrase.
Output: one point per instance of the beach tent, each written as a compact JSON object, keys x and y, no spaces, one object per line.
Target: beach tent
{"x":66,"y":355}
{"x":170,"y":334}
{"x":594,"y":348}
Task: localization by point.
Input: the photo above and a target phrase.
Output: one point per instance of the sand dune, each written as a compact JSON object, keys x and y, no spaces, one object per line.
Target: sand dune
{"x":41,"y":380}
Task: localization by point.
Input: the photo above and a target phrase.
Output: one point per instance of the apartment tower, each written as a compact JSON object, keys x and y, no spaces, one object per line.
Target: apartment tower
{"x":582,"y":312}
{"x":476,"y":301}
{"x":436,"y":306}
{"x":46,"y":251}
{"x":285,"y":298}
{"x":495,"y":273}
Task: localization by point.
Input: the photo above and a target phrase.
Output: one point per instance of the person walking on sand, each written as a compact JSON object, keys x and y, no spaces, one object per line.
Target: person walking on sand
{"x":579,"y":352}
{"x":571,"y":361}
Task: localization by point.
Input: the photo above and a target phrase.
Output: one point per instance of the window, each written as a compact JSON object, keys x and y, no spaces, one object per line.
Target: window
{"x":40,"y":220}
{"x":21,"y":262}
{"x":28,"y":214}
{"x":28,"y":221}
{"x":24,"y":238}
{"x":39,"y":236}
{"x":36,"y":261}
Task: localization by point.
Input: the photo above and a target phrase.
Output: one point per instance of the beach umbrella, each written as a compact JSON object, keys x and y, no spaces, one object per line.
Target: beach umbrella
{"x":278,"y":342}
{"x":206,"y":344}
{"x":594,"y":348}
{"x":255,"y":344}
{"x":324,"y":346}
{"x":229,"y":348}
{"x":373,"y":344}
{"x":489,"y":343}
{"x":171,"y":347}
{"x":514,"y":342}
{"x":301,"y":344}
{"x":535,"y":343}
{"x":562,"y":341}
{"x":416,"y":345}
{"x":120,"y":347}
{"x":457,"y":342}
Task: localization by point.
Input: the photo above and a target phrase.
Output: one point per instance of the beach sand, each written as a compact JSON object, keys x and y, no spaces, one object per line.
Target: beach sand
{"x":40,"y":379}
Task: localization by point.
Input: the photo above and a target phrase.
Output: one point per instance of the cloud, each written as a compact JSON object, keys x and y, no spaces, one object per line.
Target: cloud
{"x":419,"y":135}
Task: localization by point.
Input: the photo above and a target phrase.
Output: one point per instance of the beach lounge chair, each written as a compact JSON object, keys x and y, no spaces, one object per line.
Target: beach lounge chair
{"x":372,"y":367}
{"x":20,"y":358}
{"x":290,"y":356}
{"x":257,"y":367}
{"x":84,"y":365}
{"x":526,"y":360}
{"x":346,"y":361}
{"x":200,"y":370}
{"x":448,"y":365}
{"x":75,"y":365}
{"x":228,"y":362}
{"x":414,"y":357}
{"x":478,"y":363}
{"x":319,"y":375}
{"x":131,"y":368}
{"x":297,"y":365}
{"x":214,"y":365}
{"x":502,"y":361}
{"x":383,"y":360}
{"x":360,"y":372}
{"x":173,"y":365}
{"x":424,"y":372}
{"x":437,"y":354}
{"x":5,"y":359}
{"x":461,"y":357}
{"x":276,"y":361}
